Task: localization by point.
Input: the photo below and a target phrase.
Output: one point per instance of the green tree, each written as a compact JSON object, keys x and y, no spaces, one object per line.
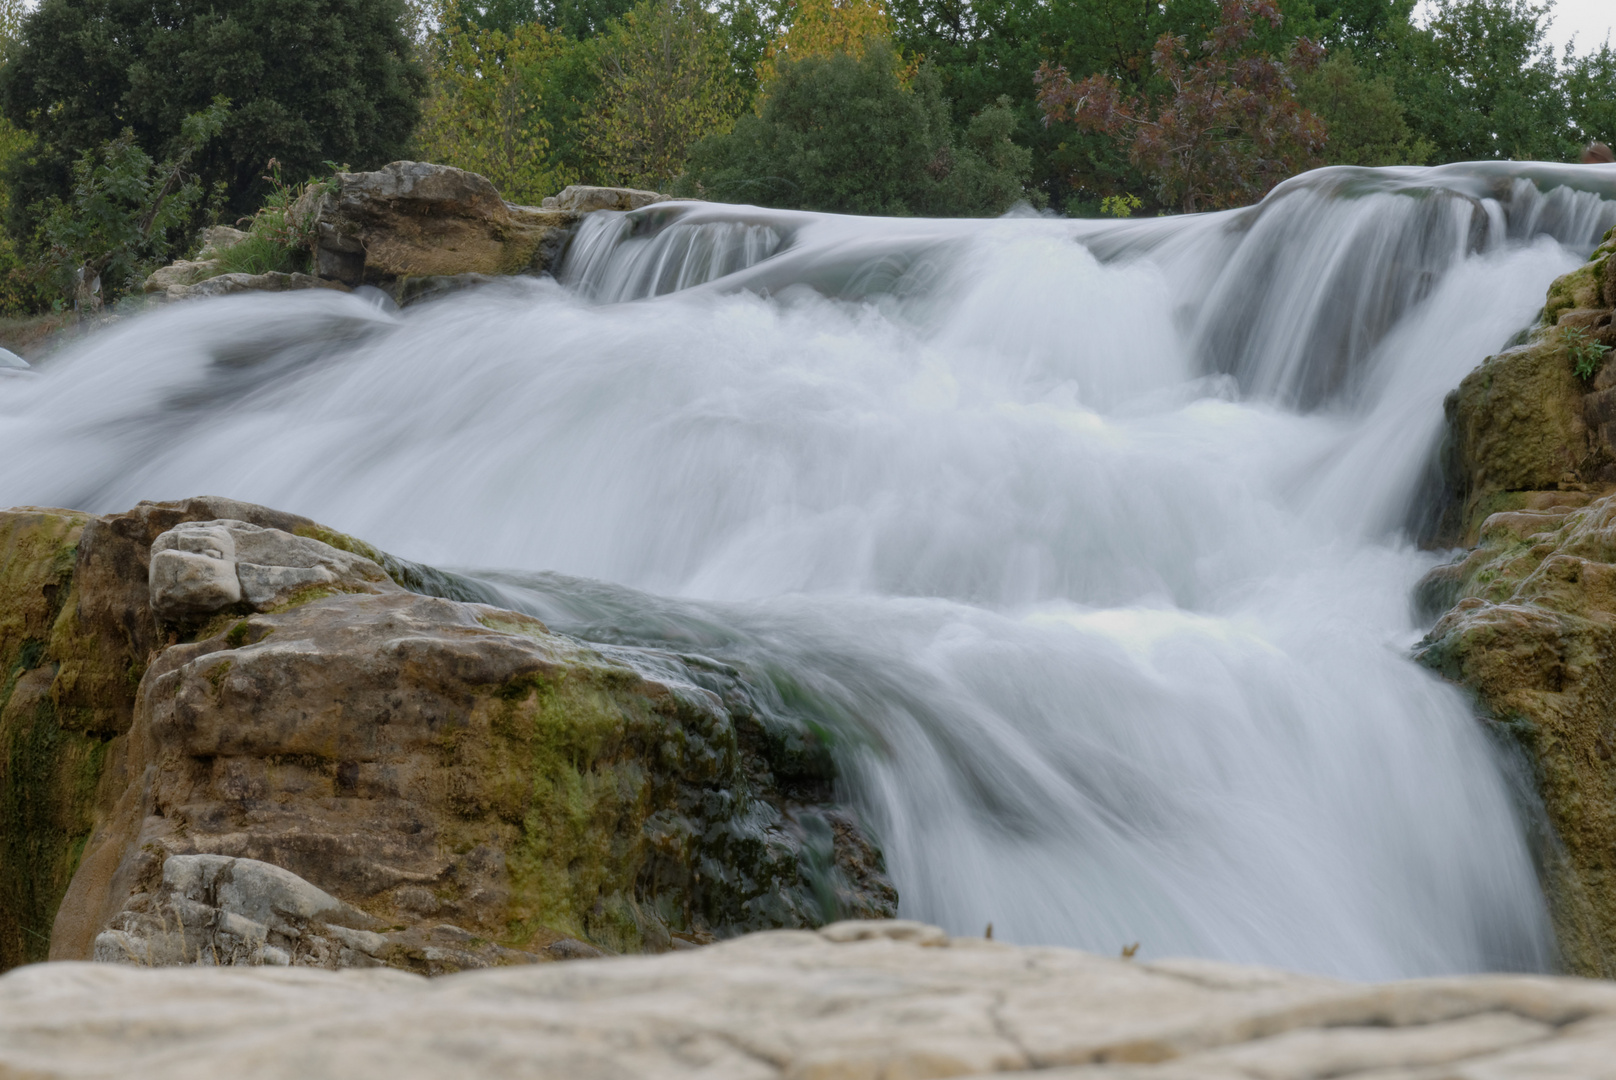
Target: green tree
{"x":124,"y":211}
{"x":312,"y":81}
{"x":843,"y":134}
{"x":1363,"y":118}
{"x":1590,"y":88}
{"x":1481,"y":83}
{"x":666,"y":83}
{"x":486,"y":108}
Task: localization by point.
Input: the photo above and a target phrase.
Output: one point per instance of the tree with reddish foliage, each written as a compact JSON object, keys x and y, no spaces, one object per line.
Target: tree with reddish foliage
{"x":1229,"y":128}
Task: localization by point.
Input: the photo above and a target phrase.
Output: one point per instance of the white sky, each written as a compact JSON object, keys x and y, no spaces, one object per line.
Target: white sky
{"x":1590,"y":20}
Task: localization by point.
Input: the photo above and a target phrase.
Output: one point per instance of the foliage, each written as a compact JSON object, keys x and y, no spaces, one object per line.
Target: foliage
{"x":1589,"y":83}
{"x":1362,"y":114}
{"x":312,"y":81}
{"x":1586,"y":354}
{"x":828,"y":27}
{"x":843,"y":134}
{"x":1120,"y":206}
{"x":666,"y":83}
{"x":1229,"y":127}
{"x":1481,"y":82}
{"x":485,"y":112}
{"x":281,"y":235}
{"x":124,"y":211}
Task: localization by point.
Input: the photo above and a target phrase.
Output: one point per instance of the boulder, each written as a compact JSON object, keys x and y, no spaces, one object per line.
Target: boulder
{"x":179,"y":274}
{"x":585,"y":199}
{"x":217,"y":239}
{"x":807,"y":1006}
{"x":211,"y":678}
{"x":414,"y":219}
{"x":200,"y":568}
{"x":1524,"y":423}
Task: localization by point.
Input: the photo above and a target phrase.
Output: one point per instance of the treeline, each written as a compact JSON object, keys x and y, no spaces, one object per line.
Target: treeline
{"x":124,"y":124}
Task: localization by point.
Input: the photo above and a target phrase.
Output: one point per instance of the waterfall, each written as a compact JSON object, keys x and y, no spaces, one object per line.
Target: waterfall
{"x":1082,"y":543}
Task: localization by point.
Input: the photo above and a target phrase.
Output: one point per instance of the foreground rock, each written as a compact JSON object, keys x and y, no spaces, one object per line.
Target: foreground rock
{"x":213,"y":679}
{"x":856,"y":1000}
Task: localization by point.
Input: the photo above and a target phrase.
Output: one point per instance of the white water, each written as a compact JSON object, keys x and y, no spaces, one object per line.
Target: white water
{"x":1085,"y":540}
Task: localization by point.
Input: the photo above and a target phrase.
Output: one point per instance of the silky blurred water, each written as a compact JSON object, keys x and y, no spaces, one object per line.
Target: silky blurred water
{"x":1084,"y":543}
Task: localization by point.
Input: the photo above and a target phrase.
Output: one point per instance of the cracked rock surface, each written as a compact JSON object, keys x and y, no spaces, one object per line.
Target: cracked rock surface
{"x":890,"y":999}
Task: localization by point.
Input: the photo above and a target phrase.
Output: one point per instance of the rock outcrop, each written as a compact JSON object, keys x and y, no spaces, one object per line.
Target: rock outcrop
{"x":1530,"y":612}
{"x":213,"y":679}
{"x":1532,"y":632}
{"x":413,"y":229}
{"x":413,"y":219}
{"x":889,"y":1000}
{"x":1525,"y":428}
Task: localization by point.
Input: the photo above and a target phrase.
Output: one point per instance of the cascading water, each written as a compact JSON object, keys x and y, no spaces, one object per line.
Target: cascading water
{"x":1082,"y":541}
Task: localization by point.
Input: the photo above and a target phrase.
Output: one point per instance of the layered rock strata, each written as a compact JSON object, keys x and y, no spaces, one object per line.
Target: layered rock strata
{"x":855,"y":1000}
{"x":212,"y":679}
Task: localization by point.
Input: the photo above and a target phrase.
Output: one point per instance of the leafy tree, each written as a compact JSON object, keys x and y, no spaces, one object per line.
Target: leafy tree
{"x":1481,"y":82}
{"x":1590,"y":88}
{"x":1228,"y":130}
{"x":486,"y":109}
{"x":827,"y":27}
{"x":844,"y":134}
{"x":312,"y":81}
{"x":666,"y":83}
{"x":1362,"y":114}
{"x":124,"y":210}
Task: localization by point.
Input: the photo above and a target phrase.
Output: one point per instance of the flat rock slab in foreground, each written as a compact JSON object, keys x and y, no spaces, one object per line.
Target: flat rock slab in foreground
{"x":856,"y":1000}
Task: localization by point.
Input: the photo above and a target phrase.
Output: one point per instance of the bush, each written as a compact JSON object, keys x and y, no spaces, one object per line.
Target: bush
{"x":843,"y":134}
{"x":124,"y":212}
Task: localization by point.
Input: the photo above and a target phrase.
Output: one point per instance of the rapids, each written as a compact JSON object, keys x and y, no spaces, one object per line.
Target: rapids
{"x":1087,"y":545}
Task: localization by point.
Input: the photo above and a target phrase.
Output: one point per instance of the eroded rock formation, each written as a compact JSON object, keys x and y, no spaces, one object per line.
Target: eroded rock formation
{"x":418,"y":220}
{"x":888,"y":1000}
{"x":213,"y":679}
{"x":1530,"y":612}
{"x":1527,"y":430}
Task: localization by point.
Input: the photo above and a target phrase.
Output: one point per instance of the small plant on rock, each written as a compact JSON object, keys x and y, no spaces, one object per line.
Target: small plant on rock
{"x":1586,"y":354}
{"x":280,"y":235}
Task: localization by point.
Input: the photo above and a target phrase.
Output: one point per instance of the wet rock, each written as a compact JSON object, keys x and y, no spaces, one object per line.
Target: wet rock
{"x":1532,"y":632}
{"x":793,"y":1004}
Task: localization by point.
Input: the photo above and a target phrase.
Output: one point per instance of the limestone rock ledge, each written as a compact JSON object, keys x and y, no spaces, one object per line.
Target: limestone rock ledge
{"x":216,"y":681}
{"x":854,"y":1001}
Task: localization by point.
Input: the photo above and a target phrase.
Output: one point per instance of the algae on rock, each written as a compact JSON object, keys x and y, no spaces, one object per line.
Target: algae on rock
{"x":425,"y":758}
